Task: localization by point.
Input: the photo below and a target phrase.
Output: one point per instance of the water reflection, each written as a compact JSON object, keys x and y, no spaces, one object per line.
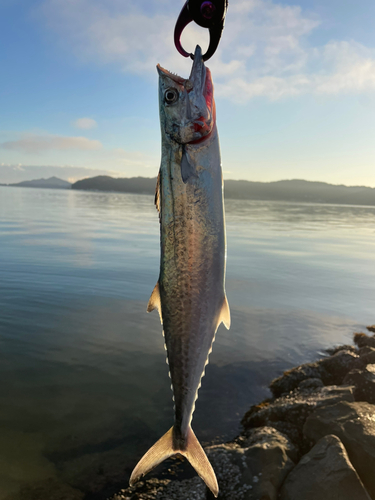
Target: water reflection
{"x":285,"y":216}
{"x":84,"y":388}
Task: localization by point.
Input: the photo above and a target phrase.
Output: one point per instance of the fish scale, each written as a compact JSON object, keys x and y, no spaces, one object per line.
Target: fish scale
{"x":190,"y":292}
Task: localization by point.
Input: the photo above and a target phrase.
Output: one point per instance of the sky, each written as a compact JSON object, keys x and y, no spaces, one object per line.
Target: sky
{"x":294,"y":88}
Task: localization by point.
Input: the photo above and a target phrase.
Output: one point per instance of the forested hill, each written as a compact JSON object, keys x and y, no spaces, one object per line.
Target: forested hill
{"x":288,"y":190}
{"x":51,"y":182}
{"x":141,"y":185}
{"x":300,"y":190}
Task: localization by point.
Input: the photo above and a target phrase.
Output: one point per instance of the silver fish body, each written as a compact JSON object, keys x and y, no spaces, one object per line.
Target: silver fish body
{"x":190,"y":293}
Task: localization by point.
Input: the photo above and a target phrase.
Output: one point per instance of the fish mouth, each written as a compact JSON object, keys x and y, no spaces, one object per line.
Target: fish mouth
{"x":198,"y":71}
{"x":199,"y":117}
{"x":200,"y":78}
{"x":197,"y":75}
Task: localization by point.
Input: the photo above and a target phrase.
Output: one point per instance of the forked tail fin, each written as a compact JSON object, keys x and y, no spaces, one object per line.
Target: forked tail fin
{"x":163,"y":449}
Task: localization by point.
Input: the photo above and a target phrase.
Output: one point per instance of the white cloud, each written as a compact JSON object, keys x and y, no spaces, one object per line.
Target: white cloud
{"x":265,"y":50}
{"x":112,"y":32}
{"x":35,"y":144}
{"x":17,"y":147}
{"x":345,"y":67}
{"x":85,"y":123}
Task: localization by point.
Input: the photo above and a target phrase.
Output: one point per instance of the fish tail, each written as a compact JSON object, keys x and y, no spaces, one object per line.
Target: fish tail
{"x":198,"y":459}
{"x":164,"y":449}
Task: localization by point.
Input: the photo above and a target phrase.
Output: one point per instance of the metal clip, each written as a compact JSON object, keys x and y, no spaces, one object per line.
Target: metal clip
{"x":207,"y":14}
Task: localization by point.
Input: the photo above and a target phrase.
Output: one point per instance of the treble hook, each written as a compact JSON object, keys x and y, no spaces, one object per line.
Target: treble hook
{"x":207,"y":14}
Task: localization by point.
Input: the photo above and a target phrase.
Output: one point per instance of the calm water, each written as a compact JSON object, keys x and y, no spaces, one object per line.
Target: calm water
{"x":84,"y":385}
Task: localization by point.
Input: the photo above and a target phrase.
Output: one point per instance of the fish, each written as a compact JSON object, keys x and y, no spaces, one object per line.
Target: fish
{"x":190,"y":292}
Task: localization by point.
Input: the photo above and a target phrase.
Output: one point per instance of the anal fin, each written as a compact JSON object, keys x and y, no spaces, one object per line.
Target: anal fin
{"x":157,"y":194}
{"x":154,"y":302}
{"x":225,"y":314}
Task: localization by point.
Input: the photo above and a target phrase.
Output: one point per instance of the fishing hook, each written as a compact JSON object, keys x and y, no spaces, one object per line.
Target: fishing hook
{"x":207,"y":14}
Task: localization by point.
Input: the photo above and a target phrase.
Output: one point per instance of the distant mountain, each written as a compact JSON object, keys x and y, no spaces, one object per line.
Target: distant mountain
{"x":141,"y":185}
{"x":300,"y":190}
{"x":52,"y":182}
{"x":288,"y":190}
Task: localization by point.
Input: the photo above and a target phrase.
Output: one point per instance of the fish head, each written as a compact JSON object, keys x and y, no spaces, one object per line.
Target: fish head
{"x":187,"y":106}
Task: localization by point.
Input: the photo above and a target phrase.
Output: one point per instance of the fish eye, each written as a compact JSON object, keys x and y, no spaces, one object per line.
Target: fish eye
{"x":171,"y":96}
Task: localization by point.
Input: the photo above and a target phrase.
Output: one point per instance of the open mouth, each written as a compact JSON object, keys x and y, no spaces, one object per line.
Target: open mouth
{"x":200,"y":78}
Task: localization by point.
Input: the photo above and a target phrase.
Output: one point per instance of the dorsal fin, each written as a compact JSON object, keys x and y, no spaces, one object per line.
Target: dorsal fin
{"x":154,"y":302}
{"x":157,"y":194}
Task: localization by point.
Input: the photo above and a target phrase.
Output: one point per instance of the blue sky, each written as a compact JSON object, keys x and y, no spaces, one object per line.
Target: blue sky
{"x":294,"y":84}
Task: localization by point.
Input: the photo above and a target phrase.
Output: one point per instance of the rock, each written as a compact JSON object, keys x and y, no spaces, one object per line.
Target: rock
{"x":288,"y":413}
{"x":366,"y":356}
{"x":362,"y":340}
{"x":143,"y":490}
{"x":363,"y":382}
{"x":325,"y":472}
{"x":354,"y":425}
{"x":292,"y":378}
{"x":364,"y":350}
{"x":310,"y":383}
{"x":268,"y":437}
{"x":187,"y":489}
{"x":310,"y":407}
{"x":334,"y":368}
{"x":345,"y":347}
{"x":256,"y":470}
{"x":371,"y":328}
{"x":330,"y":370}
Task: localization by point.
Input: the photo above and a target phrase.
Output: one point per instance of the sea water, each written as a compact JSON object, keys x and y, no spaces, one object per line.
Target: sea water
{"x":84,"y":387}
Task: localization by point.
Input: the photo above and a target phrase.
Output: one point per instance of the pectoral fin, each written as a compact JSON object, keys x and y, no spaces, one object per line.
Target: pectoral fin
{"x":187,"y":169}
{"x":225,"y":314}
{"x":154,"y":302}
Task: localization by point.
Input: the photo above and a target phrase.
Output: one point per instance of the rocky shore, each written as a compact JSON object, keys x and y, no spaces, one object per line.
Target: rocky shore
{"x":313,"y":439}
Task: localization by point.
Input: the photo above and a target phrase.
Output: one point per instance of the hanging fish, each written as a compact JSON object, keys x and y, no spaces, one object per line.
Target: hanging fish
{"x":190,"y":293}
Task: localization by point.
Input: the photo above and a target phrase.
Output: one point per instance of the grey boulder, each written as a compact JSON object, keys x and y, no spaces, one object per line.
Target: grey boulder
{"x":330,"y":370}
{"x":354,"y":425}
{"x":363,"y":382}
{"x":334,"y":368}
{"x":362,"y":339}
{"x":289,"y":412}
{"x":254,"y":469}
{"x":367,"y":356}
{"x":291,"y":379}
{"x":324,"y":473}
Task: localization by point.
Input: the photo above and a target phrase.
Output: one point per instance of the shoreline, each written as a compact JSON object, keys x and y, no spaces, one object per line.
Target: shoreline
{"x":314,"y":437}
{"x":356,"y":199}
